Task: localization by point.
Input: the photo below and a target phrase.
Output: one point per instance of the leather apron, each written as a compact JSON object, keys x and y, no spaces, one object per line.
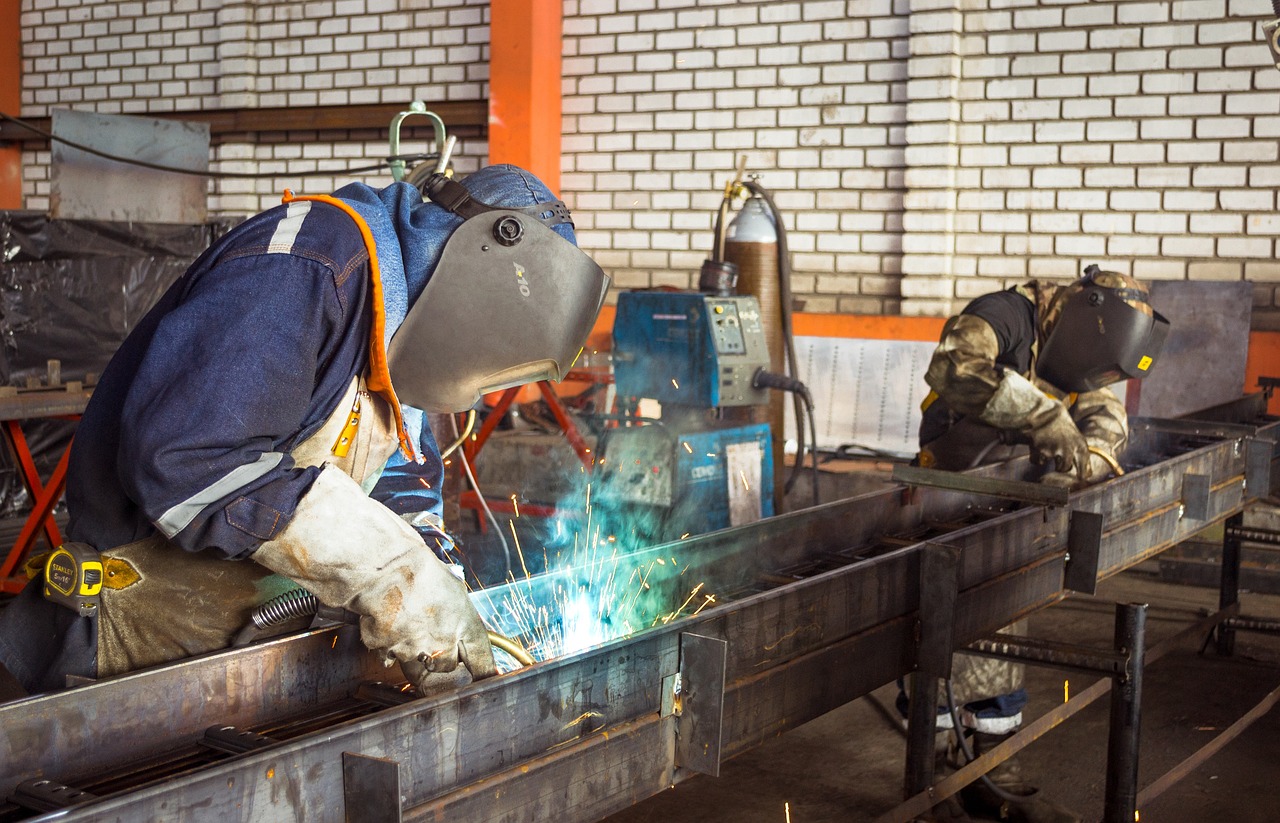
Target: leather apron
{"x":161,"y":603}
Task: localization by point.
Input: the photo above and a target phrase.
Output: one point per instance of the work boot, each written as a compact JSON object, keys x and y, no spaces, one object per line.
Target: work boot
{"x":1014,"y":799}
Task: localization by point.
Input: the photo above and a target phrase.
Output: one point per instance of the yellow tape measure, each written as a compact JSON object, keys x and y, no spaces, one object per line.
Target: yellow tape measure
{"x":73,"y":578}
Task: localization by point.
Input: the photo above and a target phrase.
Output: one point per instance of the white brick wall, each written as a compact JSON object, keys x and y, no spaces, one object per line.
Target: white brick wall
{"x":957,"y":145}
{"x":924,"y":151}
{"x":813,"y":93}
{"x":192,"y":55}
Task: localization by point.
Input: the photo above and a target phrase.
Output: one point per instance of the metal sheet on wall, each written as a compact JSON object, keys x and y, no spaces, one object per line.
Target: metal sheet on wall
{"x":88,"y":187}
{"x":1204,"y":356}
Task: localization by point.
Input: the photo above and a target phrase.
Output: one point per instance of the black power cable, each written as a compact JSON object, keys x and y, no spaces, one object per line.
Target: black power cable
{"x":788,"y":337}
{"x":221,"y":175}
{"x":762,"y":379}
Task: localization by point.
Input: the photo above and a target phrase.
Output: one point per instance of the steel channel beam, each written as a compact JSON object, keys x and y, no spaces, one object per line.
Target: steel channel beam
{"x":1194,"y":427}
{"x":783,"y":645}
{"x":75,"y":732}
{"x":70,"y":733}
{"x":466,"y":736}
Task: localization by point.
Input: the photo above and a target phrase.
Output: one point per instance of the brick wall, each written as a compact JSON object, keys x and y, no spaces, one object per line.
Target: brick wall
{"x":190,"y":55}
{"x":927,"y":151}
{"x":924,"y":151}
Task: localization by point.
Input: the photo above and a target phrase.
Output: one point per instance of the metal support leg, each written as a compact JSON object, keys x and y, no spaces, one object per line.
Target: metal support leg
{"x":1126,"y":716}
{"x":939,"y":581}
{"x":1229,"y":585}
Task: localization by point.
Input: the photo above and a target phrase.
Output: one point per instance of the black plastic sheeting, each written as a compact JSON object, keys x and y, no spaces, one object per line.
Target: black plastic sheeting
{"x":72,"y":290}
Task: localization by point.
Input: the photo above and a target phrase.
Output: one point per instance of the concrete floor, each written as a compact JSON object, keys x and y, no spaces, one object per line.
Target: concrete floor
{"x":847,"y":765}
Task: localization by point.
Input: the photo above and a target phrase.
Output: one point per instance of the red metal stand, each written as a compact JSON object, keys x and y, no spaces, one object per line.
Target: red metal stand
{"x":57,"y":401}
{"x":44,"y":496}
{"x":470,"y":500}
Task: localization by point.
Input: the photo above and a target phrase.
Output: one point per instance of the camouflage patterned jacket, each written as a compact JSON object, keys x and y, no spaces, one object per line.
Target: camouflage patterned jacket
{"x":995,"y":332}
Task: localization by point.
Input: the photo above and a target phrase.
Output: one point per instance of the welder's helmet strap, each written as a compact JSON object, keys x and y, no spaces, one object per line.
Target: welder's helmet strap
{"x":1100,"y":339}
{"x":452,"y":195}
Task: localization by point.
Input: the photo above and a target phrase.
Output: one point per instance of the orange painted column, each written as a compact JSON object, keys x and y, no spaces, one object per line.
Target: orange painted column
{"x":11,"y":100}
{"x":524,"y":86}
{"x":1263,"y":361}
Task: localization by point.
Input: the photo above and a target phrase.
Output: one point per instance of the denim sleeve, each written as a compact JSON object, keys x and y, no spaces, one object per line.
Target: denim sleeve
{"x":412,"y":489}
{"x":222,"y":392}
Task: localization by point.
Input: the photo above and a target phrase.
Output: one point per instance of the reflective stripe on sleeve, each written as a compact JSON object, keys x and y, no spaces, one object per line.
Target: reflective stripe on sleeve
{"x":287,"y":230}
{"x":180,"y":516}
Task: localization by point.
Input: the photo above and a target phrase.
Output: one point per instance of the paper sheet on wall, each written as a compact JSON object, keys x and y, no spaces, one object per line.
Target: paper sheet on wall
{"x":866,"y":393}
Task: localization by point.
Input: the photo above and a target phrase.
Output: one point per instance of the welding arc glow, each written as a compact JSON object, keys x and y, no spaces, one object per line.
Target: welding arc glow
{"x":598,"y":586}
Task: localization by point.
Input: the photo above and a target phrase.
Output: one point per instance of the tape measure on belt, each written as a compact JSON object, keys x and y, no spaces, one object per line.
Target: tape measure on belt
{"x":73,"y":578}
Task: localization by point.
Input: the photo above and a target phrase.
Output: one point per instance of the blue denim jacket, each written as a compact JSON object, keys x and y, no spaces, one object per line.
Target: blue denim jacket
{"x":246,"y":355}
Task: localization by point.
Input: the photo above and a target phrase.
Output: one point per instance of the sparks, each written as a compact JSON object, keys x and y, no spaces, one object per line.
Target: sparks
{"x":515,"y":504}
{"x":711,"y":598}
{"x":674,"y":383}
{"x":687,"y":447}
{"x":516,"y":537}
{"x":595,"y":585}
{"x":745,"y":484}
{"x":1066,"y":691}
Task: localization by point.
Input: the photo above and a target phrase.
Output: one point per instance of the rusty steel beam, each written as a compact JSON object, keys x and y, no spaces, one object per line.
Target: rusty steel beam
{"x":580,"y":737}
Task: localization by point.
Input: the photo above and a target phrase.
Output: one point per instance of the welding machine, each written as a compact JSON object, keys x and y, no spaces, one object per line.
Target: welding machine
{"x":689,"y":349}
{"x":697,"y":355}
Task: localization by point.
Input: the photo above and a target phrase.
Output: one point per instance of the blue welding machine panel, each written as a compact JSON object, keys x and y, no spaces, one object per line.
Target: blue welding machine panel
{"x":702,"y":498}
{"x":689,"y":349}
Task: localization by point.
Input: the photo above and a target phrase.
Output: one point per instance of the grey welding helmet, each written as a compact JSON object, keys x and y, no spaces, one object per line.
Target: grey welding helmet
{"x":510,"y":302}
{"x":1104,"y":331}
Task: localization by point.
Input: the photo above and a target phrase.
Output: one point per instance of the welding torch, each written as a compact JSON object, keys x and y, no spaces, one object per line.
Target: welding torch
{"x":299,"y":602}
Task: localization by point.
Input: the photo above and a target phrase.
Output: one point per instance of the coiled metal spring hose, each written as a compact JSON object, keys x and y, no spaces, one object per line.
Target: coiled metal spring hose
{"x":297,"y":603}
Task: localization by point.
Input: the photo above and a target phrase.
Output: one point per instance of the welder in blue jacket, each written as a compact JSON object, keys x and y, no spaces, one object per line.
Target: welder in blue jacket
{"x":262,"y":429}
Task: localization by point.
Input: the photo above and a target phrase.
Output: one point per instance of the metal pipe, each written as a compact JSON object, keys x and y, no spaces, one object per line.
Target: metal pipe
{"x":1253,"y":534}
{"x":1046,"y":653}
{"x":1253,"y":624}
{"x":949,"y":786}
{"x":939,"y":586}
{"x":1126,"y":716}
{"x":1229,"y":583}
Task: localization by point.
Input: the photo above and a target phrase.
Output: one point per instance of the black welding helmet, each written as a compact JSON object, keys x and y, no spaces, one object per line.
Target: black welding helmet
{"x":1104,"y":331}
{"x":511,"y":301}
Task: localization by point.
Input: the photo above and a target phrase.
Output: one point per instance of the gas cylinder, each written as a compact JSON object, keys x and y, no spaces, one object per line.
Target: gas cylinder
{"x":751,"y":243}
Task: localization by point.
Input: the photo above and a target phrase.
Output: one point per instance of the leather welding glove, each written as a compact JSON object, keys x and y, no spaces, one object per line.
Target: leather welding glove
{"x":1098,"y":468}
{"x":352,"y":552}
{"x":1018,"y":405}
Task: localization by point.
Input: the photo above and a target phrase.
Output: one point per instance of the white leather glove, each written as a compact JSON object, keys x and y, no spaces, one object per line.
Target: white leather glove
{"x":352,"y":552}
{"x":1017,"y":404}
